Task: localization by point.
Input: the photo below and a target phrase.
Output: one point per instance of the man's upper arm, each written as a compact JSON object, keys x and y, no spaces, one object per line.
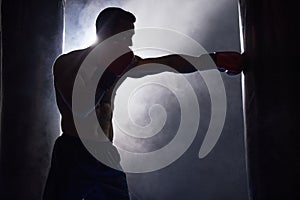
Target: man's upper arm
{"x":62,"y":87}
{"x":58,"y":68}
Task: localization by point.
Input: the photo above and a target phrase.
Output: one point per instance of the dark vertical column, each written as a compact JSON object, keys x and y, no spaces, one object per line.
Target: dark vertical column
{"x":32,"y":34}
{"x":272,"y":99}
{"x":0,"y":91}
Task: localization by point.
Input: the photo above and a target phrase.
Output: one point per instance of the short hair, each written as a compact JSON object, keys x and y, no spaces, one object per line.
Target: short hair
{"x":109,"y":17}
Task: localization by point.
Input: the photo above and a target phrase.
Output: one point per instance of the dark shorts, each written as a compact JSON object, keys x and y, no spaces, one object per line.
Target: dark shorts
{"x":75,"y":175}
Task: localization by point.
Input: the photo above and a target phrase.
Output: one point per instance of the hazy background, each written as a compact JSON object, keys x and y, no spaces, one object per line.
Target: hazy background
{"x":214,"y":24}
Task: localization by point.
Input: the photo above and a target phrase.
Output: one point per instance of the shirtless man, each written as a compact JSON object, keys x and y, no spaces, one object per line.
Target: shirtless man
{"x":75,"y":173}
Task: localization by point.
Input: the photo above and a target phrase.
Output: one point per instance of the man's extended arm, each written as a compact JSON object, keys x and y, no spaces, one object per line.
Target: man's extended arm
{"x":231,"y":62}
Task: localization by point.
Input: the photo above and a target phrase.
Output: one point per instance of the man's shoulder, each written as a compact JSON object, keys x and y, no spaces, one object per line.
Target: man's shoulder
{"x":71,"y":55}
{"x":70,"y":59}
{"x":66,"y":65}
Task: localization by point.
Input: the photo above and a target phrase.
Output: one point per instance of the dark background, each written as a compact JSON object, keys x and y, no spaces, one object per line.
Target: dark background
{"x":31,"y":39}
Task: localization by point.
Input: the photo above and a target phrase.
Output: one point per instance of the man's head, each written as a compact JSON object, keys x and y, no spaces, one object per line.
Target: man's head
{"x":114,"y":20}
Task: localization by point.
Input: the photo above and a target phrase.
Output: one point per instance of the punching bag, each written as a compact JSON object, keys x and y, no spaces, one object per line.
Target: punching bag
{"x":271,"y":100}
{"x":32,"y":35}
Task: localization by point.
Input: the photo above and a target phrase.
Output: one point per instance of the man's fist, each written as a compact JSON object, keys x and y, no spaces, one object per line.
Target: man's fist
{"x":231,"y":62}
